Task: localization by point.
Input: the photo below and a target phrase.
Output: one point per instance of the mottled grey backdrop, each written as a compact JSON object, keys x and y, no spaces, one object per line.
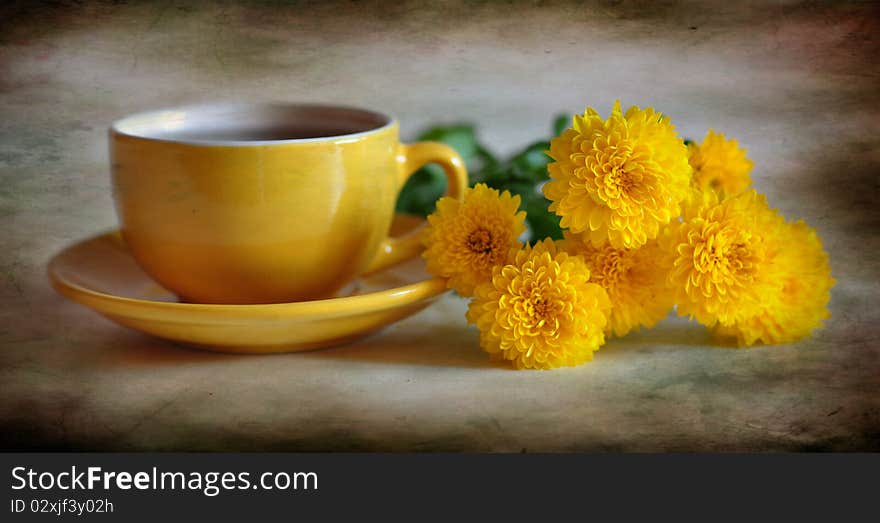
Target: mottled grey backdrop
{"x":796,"y":82}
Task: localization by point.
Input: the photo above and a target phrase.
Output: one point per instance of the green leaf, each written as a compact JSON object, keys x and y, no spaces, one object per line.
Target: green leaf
{"x":460,"y":137}
{"x":531,"y":162}
{"x":561,"y":123}
{"x":522,"y":174}
{"x":421,"y":192}
{"x":486,"y":165}
{"x":543,"y":224}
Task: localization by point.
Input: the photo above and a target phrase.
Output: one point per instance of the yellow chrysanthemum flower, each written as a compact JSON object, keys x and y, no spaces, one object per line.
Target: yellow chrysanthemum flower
{"x":541,"y":311}
{"x":800,"y":305}
{"x":618,"y":179}
{"x":722,"y":258}
{"x":720,"y":165}
{"x":635,"y":280}
{"x":465,"y":239}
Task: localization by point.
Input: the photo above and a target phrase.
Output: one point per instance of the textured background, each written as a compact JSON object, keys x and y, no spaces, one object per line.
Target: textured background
{"x":796,"y":82}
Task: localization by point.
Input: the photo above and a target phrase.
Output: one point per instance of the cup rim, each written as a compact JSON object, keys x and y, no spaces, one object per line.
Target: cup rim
{"x":117,"y":127}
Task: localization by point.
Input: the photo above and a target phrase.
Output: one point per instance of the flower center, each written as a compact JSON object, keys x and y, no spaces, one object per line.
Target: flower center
{"x":537,"y":310}
{"x":620,"y":169}
{"x":722,"y":258}
{"x":480,"y":241}
{"x":540,"y":307}
{"x":611,"y":267}
{"x":620,"y":179}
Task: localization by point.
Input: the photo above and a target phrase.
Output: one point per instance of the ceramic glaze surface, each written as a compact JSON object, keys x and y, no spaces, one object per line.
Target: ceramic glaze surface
{"x":100,"y":273}
{"x":264,"y":221}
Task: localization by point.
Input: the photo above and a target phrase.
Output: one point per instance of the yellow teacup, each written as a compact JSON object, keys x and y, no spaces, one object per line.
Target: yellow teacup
{"x":265,"y":203}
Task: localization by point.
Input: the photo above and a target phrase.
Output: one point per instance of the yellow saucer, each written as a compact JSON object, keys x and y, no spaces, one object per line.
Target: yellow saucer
{"x":101,"y":274}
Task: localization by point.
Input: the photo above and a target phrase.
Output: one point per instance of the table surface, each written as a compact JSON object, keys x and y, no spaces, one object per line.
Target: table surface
{"x":797,"y":83}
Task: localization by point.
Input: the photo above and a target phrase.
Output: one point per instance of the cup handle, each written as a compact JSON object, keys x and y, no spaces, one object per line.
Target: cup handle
{"x":410,"y":157}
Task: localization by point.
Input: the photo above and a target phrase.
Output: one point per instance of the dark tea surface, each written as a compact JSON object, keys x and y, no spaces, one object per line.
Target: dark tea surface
{"x":251,"y":134}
